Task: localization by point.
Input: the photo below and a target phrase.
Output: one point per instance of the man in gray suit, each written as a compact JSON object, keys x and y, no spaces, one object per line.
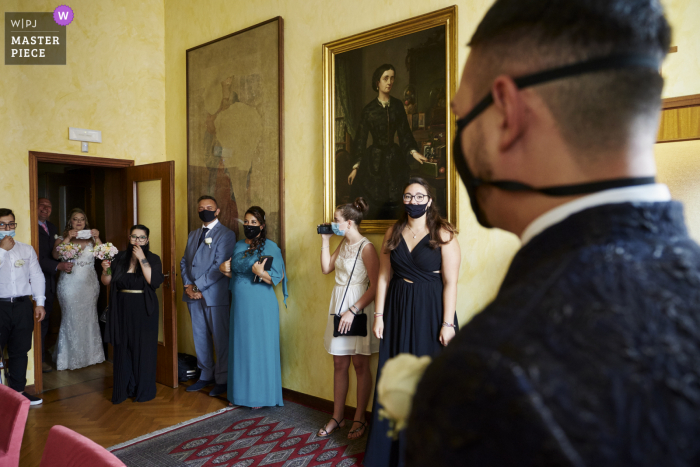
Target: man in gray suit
{"x":206,"y":294}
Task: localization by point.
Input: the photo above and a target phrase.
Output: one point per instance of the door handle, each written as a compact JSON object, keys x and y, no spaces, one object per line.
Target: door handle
{"x":167,"y":279}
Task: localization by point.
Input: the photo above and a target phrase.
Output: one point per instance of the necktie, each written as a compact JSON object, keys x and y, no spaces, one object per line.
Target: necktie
{"x":46,"y":229}
{"x":201,"y":237}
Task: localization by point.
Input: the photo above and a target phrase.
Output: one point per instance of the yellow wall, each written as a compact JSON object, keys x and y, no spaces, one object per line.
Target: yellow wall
{"x":678,"y":164}
{"x":306,"y":367}
{"x":113,"y":80}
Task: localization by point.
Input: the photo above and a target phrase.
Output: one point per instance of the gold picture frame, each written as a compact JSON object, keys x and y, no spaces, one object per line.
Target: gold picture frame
{"x":436,"y":96}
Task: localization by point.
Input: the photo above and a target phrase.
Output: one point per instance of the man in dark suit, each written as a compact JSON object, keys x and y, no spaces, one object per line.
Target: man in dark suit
{"x":589,"y":353}
{"x":49,"y":266}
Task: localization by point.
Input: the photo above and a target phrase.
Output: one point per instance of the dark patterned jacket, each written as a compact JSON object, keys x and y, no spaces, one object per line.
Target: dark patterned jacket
{"x":588,"y":356}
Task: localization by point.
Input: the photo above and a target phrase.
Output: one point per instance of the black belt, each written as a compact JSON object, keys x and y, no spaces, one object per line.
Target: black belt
{"x":15,"y":299}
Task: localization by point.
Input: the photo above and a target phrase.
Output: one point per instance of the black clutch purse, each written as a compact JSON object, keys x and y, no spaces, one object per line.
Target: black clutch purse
{"x":359,"y":323}
{"x":357,"y":328}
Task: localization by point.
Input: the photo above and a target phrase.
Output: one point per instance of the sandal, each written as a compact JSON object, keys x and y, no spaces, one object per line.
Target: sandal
{"x":328,"y":433}
{"x":360,"y":430}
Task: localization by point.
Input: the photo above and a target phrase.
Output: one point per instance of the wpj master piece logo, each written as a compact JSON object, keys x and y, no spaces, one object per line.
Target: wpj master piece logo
{"x":37,"y":38}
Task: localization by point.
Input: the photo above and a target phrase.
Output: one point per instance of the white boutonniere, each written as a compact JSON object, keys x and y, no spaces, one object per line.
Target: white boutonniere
{"x":55,"y":237}
{"x":19,"y":263}
{"x":396,"y":388}
{"x":207,"y":241}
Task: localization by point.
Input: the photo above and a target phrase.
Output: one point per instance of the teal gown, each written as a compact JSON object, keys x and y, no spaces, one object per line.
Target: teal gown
{"x":254,"y":374}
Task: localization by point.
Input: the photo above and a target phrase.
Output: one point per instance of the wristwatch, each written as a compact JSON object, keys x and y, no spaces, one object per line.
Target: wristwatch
{"x":195,"y":288}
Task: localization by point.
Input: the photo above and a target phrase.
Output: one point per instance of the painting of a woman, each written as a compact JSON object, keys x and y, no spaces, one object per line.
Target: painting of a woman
{"x":381,"y":169}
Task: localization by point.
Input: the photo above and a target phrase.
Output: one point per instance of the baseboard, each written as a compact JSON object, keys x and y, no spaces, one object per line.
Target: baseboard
{"x":316,"y":403}
{"x":30,"y":389}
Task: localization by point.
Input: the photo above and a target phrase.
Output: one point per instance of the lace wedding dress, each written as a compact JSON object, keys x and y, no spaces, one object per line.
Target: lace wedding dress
{"x":350,"y":345}
{"x":79,"y":341}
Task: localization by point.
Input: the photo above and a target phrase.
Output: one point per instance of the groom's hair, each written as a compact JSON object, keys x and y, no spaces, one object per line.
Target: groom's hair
{"x":208,"y":197}
{"x":7,"y":212}
{"x":595,"y":111}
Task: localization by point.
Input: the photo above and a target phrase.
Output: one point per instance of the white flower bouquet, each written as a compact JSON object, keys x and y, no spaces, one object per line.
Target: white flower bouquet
{"x":396,"y":388}
{"x":68,"y":252}
{"x":106,"y":251}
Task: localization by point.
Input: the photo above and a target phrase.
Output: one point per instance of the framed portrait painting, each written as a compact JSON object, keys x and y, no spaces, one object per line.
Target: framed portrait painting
{"x":387,"y":117}
{"x":235,"y":126}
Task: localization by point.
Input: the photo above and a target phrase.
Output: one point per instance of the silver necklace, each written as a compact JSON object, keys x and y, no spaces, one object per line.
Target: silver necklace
{"x":409,"y":228}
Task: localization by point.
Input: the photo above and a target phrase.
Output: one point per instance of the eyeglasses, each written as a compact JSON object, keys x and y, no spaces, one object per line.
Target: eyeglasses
{"x":11,"y":225}
{"x":140,"y":239}
{"x":420,"y":197}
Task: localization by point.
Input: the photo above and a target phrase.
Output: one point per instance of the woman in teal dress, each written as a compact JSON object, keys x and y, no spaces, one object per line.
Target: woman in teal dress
{"x":254,"y":374}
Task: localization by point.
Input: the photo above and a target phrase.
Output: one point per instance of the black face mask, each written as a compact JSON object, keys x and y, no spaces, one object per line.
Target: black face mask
{"x":145,"y":248}
{"x":472,"y":182}
{"x":251,"y":231}
{"x":416,"y":210}
{"x":207,"y":216}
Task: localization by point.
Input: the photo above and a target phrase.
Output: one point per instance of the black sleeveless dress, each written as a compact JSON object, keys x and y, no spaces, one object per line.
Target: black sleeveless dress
{"x":413,"y":316}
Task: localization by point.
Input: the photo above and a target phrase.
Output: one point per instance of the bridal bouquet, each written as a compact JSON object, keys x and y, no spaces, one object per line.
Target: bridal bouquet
{"x":106,"y":251}
{"x":68,"y":251}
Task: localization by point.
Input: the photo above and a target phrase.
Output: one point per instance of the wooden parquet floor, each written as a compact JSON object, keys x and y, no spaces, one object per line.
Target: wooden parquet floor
{"x":87,"y":409}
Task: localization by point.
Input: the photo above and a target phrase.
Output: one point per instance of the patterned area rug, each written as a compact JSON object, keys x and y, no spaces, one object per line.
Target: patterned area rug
{"x":240,"y":437}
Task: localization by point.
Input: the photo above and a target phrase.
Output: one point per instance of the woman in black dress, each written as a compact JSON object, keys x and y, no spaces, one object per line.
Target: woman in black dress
{"x":132,"y":321}
{"x":383,"y":167}
{"x":415,"y":306}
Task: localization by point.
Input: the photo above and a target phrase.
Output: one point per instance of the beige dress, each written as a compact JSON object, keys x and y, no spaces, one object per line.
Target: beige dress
{"x":350,"y":345}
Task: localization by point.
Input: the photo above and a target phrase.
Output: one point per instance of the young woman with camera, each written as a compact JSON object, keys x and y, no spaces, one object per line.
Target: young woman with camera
{"x":356,"y":268}
{"x":255,"y":267}
{"x":416,"y":298}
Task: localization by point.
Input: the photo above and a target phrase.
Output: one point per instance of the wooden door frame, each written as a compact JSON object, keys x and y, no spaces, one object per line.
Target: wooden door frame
{"x":169,"y":285}
{"x":53,"y":158}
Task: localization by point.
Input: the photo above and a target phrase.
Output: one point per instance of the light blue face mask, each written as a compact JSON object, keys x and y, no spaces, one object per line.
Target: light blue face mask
{"x":6,"y":233}
{"x":335,"y":226}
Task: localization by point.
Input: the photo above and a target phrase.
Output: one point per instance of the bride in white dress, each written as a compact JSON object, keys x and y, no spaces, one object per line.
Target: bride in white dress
{"x":79,"y":341}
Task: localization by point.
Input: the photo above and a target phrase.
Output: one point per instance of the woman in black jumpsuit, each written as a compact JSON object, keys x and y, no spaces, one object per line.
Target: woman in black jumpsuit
{"x":132,"y":321}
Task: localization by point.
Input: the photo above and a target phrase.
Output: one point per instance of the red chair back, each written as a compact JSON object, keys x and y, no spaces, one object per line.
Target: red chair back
{"x":15,"y":408}
{"x":66,"y":448}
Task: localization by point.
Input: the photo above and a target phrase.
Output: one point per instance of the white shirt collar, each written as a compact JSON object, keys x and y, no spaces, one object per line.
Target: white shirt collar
{"x":634,"y":194}
{"x":211,"y":226}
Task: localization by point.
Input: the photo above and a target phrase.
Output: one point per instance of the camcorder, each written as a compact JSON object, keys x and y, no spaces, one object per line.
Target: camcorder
{"x":324,"y":229}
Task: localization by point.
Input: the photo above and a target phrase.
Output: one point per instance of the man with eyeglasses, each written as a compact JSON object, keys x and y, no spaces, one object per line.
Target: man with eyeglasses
{"x":589,"y":353}
{"x":20,"y":279}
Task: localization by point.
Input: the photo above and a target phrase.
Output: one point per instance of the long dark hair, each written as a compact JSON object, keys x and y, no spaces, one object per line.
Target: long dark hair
{"x":434,"y":222}
{"x":69,"y":224}
{"x":122,"y":261}
{"x":258,"y":243}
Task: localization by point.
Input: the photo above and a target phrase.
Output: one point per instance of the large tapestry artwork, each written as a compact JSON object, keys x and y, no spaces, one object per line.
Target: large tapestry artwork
{"x":234,"y":126}
{"x":387,"y":116}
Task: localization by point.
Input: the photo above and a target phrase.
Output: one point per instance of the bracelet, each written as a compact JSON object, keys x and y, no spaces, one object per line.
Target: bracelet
{"x":448,"y":325}
{"x":379,"y":314}
{"x":353,"y":313}
{"x":356,"y":309}
{"x":324,"y":247}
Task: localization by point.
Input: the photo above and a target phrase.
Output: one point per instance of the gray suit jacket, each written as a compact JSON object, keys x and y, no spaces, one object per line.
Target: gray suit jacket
{"x":200,"y":266}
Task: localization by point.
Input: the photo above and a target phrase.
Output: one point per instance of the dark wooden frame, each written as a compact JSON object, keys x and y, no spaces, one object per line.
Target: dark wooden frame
{"x":280,"y":55}
{"x":34,"y":158}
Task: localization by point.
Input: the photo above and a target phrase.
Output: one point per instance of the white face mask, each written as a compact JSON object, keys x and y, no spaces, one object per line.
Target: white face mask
{"x":7,"y":233}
